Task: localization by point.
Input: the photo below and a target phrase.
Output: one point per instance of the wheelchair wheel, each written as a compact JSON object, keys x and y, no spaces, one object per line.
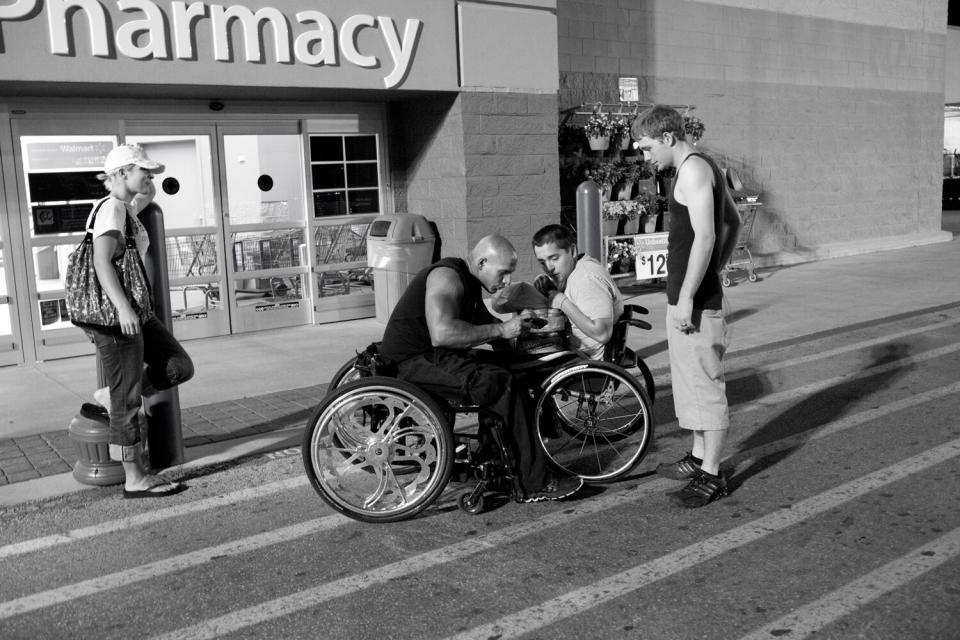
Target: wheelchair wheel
{"x":378,"y":450}
{"x":347,"y":373}
{"x":594,"y":420}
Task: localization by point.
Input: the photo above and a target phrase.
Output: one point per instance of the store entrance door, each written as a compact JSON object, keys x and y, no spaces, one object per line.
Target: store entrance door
{"x":57,"y":163}
{"x":235,"y":218}
{"x":233,"y":199}
{"x":264,"y":225}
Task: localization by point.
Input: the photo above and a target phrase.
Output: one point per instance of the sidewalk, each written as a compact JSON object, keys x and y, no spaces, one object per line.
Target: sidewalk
{"x":253,"y":393}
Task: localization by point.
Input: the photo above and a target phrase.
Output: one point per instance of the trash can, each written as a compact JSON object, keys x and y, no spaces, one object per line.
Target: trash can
{"x":398,"y":247}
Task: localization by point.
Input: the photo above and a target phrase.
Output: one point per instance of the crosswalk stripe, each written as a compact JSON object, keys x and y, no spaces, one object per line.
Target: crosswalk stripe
{"x":735,"y":374}
{"x":158,"y":515}
{"x":37,"y":544}
{"x":581,"y":599}
{"x":810,"y":618}
{"x":166,"y":566}
{"x":625,"y":582}
{"x":847,"y":348}
{"x":286,"y":534}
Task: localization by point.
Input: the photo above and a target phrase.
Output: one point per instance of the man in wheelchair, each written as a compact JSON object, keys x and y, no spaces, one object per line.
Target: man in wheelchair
{"x":580,"y":287}
{"x":431,"y":339}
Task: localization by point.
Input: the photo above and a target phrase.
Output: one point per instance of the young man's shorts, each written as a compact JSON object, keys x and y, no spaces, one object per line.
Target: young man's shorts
{"x":696,"y":371}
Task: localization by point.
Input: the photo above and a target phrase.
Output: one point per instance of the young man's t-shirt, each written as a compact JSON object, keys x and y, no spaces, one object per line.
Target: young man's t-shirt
{"x":591,"y":288}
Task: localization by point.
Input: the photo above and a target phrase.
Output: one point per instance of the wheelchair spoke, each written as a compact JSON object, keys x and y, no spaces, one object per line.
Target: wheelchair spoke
{"x":599,"y":423}
{"x":385,"y":477}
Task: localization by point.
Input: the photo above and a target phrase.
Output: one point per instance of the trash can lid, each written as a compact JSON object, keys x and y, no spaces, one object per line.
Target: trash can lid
{"x":408,"y":227}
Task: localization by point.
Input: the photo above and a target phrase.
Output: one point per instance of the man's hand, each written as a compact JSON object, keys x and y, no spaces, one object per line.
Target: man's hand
{"x":544,"y":284}
{"x":517,"y":325}
{"x":683,"y":318}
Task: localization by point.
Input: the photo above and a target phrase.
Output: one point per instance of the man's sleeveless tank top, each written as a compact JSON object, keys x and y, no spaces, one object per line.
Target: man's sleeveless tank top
{"x":680,"y":243}
{"x":407,"y":335}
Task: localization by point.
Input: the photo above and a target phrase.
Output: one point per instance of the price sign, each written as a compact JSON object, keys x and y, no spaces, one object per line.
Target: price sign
{"x":651,"y":261}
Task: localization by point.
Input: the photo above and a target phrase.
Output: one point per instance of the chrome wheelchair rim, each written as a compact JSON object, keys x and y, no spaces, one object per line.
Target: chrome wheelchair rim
{"x":377,"y":451}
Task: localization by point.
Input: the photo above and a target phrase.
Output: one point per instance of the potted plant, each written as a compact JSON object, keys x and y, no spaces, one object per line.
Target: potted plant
{"x":693,"y":127}
{"x":620,"y":132}
{"x":597,"y":130}
{"x":648,"y":204}
{"x":615,"y":214}
{"x":621,"y":255}
{"x":605,"y":174}
{"x":634,"y":173}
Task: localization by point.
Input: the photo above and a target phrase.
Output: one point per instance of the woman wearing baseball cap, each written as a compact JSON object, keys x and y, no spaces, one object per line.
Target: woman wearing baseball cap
{"x":141,"y":356}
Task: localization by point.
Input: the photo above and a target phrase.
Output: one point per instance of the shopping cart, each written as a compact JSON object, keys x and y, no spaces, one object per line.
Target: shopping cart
{"x":742,"y":259}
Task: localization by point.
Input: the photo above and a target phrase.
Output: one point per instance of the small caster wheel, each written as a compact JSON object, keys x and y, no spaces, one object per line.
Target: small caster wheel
{"x":752,"y":277}
{"x":725,"y":281}
{"x":472,"y":507}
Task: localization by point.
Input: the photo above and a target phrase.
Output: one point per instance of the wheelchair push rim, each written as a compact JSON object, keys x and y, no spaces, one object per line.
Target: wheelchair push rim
{"x":594,"y":420}
{"x":378,"y":450}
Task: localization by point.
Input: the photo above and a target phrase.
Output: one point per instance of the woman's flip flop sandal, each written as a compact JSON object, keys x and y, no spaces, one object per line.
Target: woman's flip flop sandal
{"x":156,"y":491}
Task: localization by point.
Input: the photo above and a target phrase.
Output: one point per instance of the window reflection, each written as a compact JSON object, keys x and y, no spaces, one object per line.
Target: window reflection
{"x":274,"y":249}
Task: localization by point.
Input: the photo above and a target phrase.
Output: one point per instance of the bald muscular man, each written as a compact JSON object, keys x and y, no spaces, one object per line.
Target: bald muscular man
{"x":431,"y":336}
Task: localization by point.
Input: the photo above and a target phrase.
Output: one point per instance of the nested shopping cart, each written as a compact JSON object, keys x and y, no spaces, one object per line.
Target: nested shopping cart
{"x":742,"y":259}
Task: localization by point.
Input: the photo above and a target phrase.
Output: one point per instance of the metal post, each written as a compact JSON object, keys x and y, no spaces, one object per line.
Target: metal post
{"x":588,"y":219}
{"x":164,"y":432}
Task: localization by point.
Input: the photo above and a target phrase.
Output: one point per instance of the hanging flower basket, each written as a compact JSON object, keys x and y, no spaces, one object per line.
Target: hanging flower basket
{"x":598,"y":129}
{"x":620,"y":132}
{"x":599,"y":143}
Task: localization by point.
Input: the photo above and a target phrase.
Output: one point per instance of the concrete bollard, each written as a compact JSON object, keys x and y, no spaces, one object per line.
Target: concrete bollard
{"x":93,"y":465}
{"x":589,"y":204}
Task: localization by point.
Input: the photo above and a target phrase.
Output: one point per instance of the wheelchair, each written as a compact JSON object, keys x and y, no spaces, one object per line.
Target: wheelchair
{"x":380,"y":449}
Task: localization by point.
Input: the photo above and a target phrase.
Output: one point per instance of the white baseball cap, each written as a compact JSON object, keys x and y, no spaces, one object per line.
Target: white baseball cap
{"x":127,"y":154}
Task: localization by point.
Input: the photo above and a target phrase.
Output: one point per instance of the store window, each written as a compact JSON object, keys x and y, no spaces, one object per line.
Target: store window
{"x":345,"y":175}
{"x":345,"y":181}
{"x":61,"y":188}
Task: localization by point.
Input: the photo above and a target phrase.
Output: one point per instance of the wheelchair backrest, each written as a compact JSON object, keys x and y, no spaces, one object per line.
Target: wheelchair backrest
{"x":616,"y":350}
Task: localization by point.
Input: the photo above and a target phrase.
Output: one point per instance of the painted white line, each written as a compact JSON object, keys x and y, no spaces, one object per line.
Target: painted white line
{"x":582,"y":599}
{"x":186,"y":561}
{"x":810,"y":618}
{"x":832,"y":353}
{"x":665,"y":379}
{"x":151,"y":570}
{"x":603,"y":591}
{"x":780,"y":397}
{"x":252,"y":493}
{"x":74,"y":535}
{"x":252,"y":543}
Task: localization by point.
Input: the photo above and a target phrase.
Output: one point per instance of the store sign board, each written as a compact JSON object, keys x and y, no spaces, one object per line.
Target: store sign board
{"x":390,"y":42}
{"x":67,"y":155}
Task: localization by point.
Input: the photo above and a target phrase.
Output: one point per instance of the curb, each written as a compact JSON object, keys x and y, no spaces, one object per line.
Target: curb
{"x":202,"y":456}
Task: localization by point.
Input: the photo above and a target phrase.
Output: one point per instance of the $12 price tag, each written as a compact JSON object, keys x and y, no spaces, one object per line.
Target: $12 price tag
{"x":651,"y":259}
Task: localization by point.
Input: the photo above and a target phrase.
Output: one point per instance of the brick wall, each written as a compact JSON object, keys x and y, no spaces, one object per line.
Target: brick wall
{"x":479,"y":163}
{"x":832,"y":110}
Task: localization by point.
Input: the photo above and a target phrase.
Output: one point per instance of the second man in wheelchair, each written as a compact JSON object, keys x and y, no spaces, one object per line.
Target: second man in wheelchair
{"x":431,"y":338}
{"x":580,"y":287}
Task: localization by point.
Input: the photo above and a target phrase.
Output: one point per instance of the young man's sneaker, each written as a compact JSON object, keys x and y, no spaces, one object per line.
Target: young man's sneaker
{"x":702,"y":490}
{"x":683,"y":469}
{"x":557,"y":488}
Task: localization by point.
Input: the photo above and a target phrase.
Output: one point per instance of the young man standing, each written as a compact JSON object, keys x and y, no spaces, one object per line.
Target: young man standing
{"x":704,"y":222}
